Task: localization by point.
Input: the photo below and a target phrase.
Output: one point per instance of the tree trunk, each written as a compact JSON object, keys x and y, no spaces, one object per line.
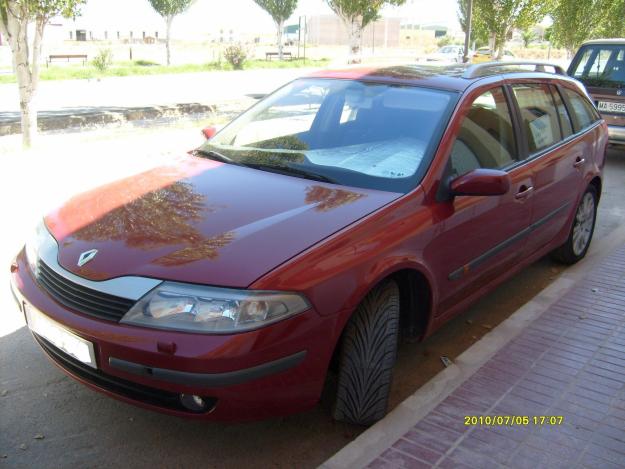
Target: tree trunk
{"x":280,"y":25}
{"x":354,"y":25}
{"x":498,"y":47}
{"x":169,"y":21}
{"x":17,"y":28}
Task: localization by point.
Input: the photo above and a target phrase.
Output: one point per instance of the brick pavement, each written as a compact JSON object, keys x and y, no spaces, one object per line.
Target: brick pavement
{"x":569,"y":362}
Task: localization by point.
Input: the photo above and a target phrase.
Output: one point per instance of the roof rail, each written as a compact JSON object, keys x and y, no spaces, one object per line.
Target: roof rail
{"x":492,"y":68}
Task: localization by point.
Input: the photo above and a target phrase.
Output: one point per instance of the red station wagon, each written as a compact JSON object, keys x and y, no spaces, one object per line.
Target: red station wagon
{"x":341,"y":211}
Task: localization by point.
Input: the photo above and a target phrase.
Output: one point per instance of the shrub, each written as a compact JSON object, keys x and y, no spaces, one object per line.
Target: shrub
{"x":103,"y":60}
{"x":445,"y":40}
{"x":236,"y":55}
{"x":146,"y":63}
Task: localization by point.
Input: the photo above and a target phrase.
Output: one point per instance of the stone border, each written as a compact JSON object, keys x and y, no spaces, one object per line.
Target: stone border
{"x":105,"y":116}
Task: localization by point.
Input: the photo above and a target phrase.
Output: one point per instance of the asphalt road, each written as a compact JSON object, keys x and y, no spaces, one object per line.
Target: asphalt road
{"x":48,"y":420}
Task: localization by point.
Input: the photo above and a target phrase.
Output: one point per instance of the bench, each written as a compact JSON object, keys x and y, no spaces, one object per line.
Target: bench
{"x":67,"y":57}
{"x":269,"y":55}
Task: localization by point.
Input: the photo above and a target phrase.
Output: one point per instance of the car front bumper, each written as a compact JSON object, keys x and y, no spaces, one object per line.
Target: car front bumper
{"x":276,"y":370}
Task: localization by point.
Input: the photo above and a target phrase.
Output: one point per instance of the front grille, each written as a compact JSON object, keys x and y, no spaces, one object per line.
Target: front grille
{"x":82,"y":299}
{"x":134,"y":391}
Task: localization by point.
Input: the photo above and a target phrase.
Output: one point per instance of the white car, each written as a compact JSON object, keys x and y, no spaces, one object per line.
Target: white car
{"x":447,"y":54}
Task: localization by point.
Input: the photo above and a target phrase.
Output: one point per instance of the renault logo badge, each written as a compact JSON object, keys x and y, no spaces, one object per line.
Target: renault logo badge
{"x":87,"y":256}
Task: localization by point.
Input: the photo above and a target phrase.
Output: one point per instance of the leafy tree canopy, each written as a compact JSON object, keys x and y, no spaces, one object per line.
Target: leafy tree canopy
{"x":280,"y":10}
{"x":502,"y":16}
{"x":479,"y":31}
{"x":42,"y":8}
{"x":575,"y":21}
{"x":170,"y":8}
{"x":368,"y":10}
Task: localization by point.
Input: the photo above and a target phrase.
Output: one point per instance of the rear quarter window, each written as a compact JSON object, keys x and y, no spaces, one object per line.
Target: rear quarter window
{"x":583,"y":112}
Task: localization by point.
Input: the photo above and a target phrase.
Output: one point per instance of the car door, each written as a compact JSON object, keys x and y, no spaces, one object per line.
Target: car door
{"x":556,"y":165}
{"x":478,"y":238}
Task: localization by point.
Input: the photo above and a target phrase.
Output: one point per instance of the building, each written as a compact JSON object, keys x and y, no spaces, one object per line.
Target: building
{"x":329,"y":30}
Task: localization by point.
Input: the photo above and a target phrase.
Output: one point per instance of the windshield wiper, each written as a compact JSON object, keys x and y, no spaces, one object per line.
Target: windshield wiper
{"x":213,"y":155}
{"x":286,"y":170}
{"x":291,"y":171}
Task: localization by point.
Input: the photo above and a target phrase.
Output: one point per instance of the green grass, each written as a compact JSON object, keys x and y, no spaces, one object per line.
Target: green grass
{"x":144,"y":67}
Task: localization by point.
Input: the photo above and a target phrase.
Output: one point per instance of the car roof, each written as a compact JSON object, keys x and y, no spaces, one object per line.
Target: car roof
{"x":457,"y":77}
{"x":617,"y":41}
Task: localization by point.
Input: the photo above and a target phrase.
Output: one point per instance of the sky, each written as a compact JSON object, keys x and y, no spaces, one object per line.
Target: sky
{"x":242,"y":14}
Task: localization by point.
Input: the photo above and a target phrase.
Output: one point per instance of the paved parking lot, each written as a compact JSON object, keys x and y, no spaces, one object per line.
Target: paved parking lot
{"x":48,"y":420}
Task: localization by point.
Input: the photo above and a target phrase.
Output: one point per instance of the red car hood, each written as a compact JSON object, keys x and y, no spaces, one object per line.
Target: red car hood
{"x":202,"y":221}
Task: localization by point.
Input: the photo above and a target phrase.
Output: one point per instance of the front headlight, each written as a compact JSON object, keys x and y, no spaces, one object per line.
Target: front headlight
{"x":195,"y":308}
{"x":34,"y":243}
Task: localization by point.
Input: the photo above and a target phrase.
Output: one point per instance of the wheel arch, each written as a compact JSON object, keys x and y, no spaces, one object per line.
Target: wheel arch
{"x":417,"y":300}
{"x":597,"y":183}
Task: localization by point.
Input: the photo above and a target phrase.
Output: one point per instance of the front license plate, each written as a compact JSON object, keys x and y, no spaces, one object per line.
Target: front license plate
{"x":56,"y":334}
{"x":608,"y":106}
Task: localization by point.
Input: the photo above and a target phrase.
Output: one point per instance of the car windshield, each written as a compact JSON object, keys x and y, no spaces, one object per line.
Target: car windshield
{"x":370,"y":135}
{"x":601,"y":65}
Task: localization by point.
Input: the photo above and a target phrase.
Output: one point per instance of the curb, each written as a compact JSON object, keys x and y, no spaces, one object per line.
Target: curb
{"x":112,"y":115}
{"x":371,"y":443}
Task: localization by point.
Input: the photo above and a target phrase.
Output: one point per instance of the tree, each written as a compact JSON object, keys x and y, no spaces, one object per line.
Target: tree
{"x":280,"y":11}
{"x":356,"y":15}
{"x":169,"y":9}
{"x":502,"y":16}
{"x":528,"y":36}
{"x":574,"y":21}
{"x":15,"y":16}
{"x":611,"y":24}
{"x":479,"y":32}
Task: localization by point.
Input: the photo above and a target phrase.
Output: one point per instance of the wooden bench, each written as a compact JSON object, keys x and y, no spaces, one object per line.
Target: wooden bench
{"x":67,"y":57}
{"x":269,"y":55}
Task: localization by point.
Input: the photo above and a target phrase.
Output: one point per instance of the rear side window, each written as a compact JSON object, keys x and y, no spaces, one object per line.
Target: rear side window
{"x":539,"y":116}
{"x":486,"y":137}
{"x":584,"y":114}
{"x":600,"y":65}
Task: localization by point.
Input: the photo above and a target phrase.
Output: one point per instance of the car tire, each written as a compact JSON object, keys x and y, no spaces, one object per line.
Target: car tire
{"x":582,"y":229}
{"x":368,"y":354}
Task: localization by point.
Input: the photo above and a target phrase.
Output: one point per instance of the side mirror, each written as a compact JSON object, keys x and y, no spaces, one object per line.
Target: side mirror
{"x":481,"y":182}
{"x":209,"y":132}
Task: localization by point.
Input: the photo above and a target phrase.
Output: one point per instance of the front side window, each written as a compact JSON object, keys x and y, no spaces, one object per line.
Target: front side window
{"x":354,"y":133}
{"x":538,"y":115}
{"x":600,"y":65}
{"x":486,"y":136}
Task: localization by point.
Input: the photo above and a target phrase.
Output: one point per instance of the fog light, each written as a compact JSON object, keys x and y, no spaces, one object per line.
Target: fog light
{"x":193,"y":403}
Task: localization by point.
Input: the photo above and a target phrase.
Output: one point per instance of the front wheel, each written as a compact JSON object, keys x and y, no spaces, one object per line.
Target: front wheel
{"x":582,"y":230}
{"x":368,"y":353}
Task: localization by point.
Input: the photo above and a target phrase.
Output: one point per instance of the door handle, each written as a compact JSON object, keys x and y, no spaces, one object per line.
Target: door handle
{"x":579,"y":161}
{"x":524,"y":193}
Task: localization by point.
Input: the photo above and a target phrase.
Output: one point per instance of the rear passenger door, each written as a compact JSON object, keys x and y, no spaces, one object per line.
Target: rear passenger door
{"x":556,"y":165}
